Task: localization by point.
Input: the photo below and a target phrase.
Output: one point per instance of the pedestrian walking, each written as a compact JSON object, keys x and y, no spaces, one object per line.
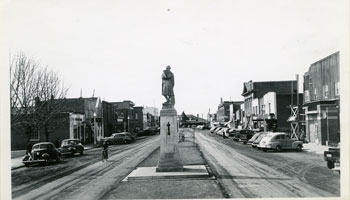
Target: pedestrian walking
{"x":105,"y":151}
{"x":29,"y":149}
{"x":302,"y":135}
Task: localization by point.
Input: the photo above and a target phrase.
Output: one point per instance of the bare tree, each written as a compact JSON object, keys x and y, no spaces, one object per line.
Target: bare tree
{"x":36,"y":95}
{"x":50,"y":100}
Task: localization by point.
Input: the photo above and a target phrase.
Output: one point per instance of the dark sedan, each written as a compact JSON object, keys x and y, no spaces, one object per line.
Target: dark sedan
{"x":44,"y":153}
{"x":71,"y":147}
{"x":116,"y":138}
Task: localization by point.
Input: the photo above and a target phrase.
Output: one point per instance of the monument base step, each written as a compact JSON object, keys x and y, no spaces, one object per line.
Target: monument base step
{"x":189,"y":171}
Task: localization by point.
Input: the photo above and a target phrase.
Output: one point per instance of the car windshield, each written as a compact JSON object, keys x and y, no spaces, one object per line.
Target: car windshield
{"x":72,"y":142}
{"x":255,"y":136}
{"x":260,"y":137}
{"x":42,"y":146}
{"x":69,"y":142}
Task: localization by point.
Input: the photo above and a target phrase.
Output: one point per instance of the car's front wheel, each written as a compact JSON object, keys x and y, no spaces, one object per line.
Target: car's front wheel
{"x":46,"y":157}
{"x":330,"y":164}
{"x":278,"y":148}
{"x":299,"y":148}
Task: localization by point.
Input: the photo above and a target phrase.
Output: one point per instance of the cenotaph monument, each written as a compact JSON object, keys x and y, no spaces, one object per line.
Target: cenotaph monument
{"x":169,"y":160}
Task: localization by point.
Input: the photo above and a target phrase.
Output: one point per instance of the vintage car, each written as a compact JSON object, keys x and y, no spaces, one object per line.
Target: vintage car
{"x":245,"y":135}
{"x":332,"y":157}
{"x":71,"y":147}
{"x":254,"y":137}
{"x":236,"y":134}
{"x":149,"y":131}
{"x":212,"y":129}
{"x":116,"y":138}
{"x":231,"y":132}
{"x":258,"y":139}
{"x":217,"y":130}
{"x":42,"y":153}
{"x":278,"y":142}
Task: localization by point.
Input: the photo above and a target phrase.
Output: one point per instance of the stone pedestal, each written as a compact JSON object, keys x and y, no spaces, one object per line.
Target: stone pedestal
{"x":169,"y":160}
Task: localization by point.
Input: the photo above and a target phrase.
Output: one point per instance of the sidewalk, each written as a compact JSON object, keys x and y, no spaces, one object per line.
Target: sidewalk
{"x":17,"y":156}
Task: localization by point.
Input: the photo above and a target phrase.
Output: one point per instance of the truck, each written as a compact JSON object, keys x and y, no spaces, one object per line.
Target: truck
{"x":332,"y":157}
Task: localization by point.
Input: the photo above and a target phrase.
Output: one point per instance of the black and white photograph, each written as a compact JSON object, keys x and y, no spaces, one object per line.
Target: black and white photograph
{"x":165,"y":99}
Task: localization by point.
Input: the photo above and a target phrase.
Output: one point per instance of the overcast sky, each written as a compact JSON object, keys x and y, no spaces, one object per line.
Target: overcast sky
{"x":119,"y":48}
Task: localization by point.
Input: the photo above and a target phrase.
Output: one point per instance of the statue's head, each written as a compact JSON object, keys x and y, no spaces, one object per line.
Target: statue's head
{"x":168,"y":67}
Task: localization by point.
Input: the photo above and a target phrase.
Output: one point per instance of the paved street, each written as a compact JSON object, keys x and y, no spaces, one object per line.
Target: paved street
{"x":240,"y":171}
{"x":83,"y":177}
{"x":245,"y":172}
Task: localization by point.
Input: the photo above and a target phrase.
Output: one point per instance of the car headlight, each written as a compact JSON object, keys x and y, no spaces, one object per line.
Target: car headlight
{"x":329,"y":155}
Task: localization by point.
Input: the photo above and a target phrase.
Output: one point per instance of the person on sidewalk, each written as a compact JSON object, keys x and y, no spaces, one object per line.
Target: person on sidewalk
{"x":29,"y":149}
{"x":302,"y":136}
{"x":105,"y":151}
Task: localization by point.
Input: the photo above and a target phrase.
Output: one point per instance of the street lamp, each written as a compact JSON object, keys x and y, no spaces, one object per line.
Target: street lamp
{"x":95,"y":132}
{"x":128,"y":124}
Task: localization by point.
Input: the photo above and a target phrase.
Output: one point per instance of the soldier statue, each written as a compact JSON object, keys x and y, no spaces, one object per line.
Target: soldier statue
{"x":168,"y":86}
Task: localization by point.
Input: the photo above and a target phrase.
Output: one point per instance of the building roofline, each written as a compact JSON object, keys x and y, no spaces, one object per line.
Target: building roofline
{"x":325,"y":58}
{"x":273,"y":81}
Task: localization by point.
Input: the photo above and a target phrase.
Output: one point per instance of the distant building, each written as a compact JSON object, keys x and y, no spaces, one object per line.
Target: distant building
{"x":189,"y":120}
{"x":131,"y":118}
{"x":109,"y":122}
{"x":124,"y":112}
{"x":226,"y":113}
{"x":240,"y":117}
{"x":269,"y":103}
{"x":80,"y":118}
{"x":150,"y":117}
{"x":321,"y":101}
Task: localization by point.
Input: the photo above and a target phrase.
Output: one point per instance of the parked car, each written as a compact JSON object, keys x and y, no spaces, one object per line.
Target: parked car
{"x":217,"y":130}
{"x":332,"y":157}
{"x":236,"y":134}
{"x":200,"y":127}
{"x":279,"y":142}
{"x":222,"y":131}
{"x":42,"y":153}
{"x":150,"y":131}
{"x":245,"y":135}
{"x":71,"y":147}
{"x":251,"y":140}
{"x":116,"y":138}
{"x":231,"y":132}
{"x":258,"y":139}
{"x":213,"y":129}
